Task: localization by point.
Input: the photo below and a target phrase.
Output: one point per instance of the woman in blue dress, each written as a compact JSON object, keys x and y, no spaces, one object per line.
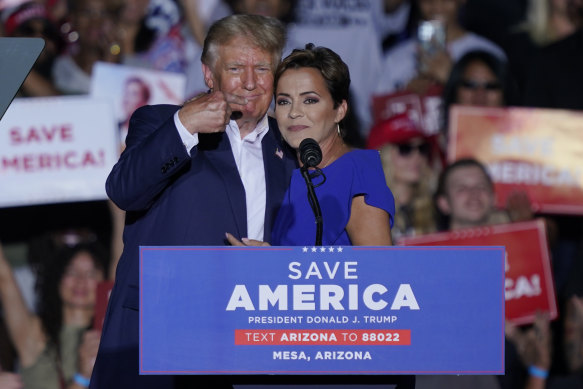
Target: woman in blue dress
{"x":357,"y":207}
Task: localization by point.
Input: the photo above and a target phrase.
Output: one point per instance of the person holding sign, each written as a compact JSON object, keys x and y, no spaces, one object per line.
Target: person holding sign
{"x":466,"y":198}
{"x":190,"y":173}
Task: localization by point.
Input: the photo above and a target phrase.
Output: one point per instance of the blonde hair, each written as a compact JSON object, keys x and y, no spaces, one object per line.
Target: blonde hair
{"x":423,"y":218}
{"x":538,"y":23}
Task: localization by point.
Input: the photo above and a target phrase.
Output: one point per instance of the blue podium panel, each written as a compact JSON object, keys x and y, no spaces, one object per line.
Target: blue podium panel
{"x":322,"y":310}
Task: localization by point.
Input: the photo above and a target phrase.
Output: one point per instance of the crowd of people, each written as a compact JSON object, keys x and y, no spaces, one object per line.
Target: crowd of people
{"x":338,"y":57}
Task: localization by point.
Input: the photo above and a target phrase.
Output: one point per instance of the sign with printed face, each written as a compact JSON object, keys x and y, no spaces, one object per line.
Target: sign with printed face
{"x":56,"y":149}
{"x":539,"y":151}
{"x":529,"y":285}
{"x":128,"y":88}
{"x":321,"y":310}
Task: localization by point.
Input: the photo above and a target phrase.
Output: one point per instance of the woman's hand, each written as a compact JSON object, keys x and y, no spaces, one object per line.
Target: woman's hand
{"x":244,"y":241}
{"x":88,"y":352}
{"x":519,"y":207}
{"x":437,"y":66}
{"x":534,"y":344}
{"x":573,"y":341}
{"x":10,"y":381}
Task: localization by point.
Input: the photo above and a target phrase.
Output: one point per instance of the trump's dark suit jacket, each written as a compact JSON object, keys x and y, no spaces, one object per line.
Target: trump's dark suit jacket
{"x":173,"y":198}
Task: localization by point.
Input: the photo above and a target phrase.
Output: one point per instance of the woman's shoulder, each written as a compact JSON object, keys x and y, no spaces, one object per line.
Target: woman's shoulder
{"x":363,"y":163}
{"x":360,"y":156}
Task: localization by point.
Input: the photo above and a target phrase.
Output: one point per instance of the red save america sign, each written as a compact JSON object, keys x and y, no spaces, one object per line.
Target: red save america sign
{"x":535,"y":150}
{"x":529,"y":285}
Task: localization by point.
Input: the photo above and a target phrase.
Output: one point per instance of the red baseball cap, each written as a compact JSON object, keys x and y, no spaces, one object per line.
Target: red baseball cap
{"x":396,"y":129}
{"x":21,"y":14}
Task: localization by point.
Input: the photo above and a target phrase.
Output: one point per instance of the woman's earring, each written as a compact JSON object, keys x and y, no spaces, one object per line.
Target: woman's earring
{"x":338,"y":130}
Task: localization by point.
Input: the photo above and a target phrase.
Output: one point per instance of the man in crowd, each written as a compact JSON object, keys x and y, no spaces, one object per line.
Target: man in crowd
{"x":465,"y":195}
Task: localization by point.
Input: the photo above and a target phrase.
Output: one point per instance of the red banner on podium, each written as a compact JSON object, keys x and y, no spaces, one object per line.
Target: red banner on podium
{"x":529,"y":285}
{"x":539,"y":151}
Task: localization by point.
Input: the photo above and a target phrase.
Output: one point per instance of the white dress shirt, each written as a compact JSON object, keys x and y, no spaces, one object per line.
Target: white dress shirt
{"x":248,"y":156}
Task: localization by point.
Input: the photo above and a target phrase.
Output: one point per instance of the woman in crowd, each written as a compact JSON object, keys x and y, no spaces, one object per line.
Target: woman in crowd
{"x":544,"y":22}
{"x":93,"y":22}
{"x":478,"y":79}
{"x":410,"y":166}
{"x":55,"y":349}
{"x":409,"y":66}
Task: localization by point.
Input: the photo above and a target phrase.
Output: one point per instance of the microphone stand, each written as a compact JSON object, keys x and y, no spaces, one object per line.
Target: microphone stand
{"x":313,"y":200}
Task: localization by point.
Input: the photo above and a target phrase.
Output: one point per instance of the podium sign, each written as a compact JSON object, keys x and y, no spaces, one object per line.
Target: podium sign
{"x":321,"y":310}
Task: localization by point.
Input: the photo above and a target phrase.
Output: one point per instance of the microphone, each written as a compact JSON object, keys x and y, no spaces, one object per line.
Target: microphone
{"x":310,"y":153}
{"x":311,"y":156}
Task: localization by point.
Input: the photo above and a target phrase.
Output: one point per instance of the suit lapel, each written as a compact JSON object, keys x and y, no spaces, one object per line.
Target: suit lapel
{"x":221,"y":157}
{"x":278,"y":164}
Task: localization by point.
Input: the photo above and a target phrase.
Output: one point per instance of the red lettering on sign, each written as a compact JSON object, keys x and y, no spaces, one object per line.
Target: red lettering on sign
{"x":69,"y":160}
{"x":57,"y":132}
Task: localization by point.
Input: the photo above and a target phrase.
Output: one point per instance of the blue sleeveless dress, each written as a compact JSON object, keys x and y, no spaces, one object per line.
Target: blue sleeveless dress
{"x":358,"y":172}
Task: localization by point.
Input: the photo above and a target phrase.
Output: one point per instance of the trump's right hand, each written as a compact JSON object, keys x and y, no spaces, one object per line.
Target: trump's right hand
{"x":209,"y":112}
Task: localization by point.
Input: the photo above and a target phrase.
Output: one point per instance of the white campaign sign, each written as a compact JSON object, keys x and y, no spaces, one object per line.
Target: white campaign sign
{"x":56,"y":149}
{"x":128,"y":88}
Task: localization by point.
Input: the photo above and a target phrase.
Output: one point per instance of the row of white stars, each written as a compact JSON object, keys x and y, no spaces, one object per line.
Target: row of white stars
{"x":315,"y":249}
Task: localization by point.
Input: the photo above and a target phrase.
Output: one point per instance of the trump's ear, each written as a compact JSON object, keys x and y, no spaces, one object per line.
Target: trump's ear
{"x":208,"y":76}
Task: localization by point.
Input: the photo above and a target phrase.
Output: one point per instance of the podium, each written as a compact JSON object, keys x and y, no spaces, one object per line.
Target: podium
{"x":359,"y":313}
